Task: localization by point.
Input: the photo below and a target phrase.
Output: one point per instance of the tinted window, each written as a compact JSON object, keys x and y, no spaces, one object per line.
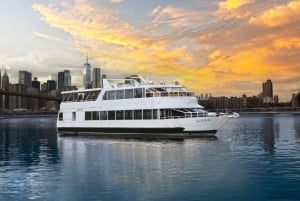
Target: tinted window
{"x":154,"y":114}
{"x":111,"y":95}
{"x":137,"y":114}
{"x":73,"y":116}
{"x":128,"y":114}
{"x":105,"y":96}
{"x":128,"y":93}
{"x":111,"y":115}
{"x":103,"y":115}
{"x":60,"y":116}
{"x":138,"y":93}
{"x":95,"y":116}
{"x":147,"y":114}
{"x":88,"y":115}
{"x":119,"y":115}
{"x":120,"y":94}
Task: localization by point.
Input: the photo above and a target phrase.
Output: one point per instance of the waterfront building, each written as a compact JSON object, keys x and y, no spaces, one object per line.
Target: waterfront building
{"x":67,"y":78}
{"x":276,"y":99}
{"x":244,"y":101}
{"x":63,"y":80}
{"x":87,"y":74}
{"x":60,"y":81}
{"x":55,"y":78}
{"x":0,"y":94}
{"x":205,"y":96}
{"x":296,"y":99}
{"x":5,"y":81}
{"x":25,"y":78}
{"x":267,"y":91}
{"x":5,"y":86}
{"x":18,"y":102}
{"x":51,"y":85}
{"x":36,"y":84}
{"x":44,"y":87}
{"x":97,"y":83}
{"x":104,"y":76}
{"x":70,"y":88}
{"x":33,"y":103}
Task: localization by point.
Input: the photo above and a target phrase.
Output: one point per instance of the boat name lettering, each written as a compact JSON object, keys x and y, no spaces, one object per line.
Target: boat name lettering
{"x":202,"y":120}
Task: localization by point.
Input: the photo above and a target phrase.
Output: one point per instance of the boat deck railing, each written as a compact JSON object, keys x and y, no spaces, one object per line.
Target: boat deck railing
{"x":186,"y":115}
{"x":168,"y":94}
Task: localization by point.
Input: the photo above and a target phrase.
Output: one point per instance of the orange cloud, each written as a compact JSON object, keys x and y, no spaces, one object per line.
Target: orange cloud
{"x":231,"y":9}
{"x":279,"y":15}
{"x":287,"y":43}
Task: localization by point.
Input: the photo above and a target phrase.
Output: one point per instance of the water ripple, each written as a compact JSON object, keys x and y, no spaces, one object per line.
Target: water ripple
{"x":252,"y":158}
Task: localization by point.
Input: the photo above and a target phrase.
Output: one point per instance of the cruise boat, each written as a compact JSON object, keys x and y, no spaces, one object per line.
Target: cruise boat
{"x":135,"y":107}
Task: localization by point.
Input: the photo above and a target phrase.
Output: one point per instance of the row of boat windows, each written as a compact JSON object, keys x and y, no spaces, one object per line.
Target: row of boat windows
{"x":125,"y":94}
{"x":141,"y":93}
{"x":121,"y":115}
{"x":140,"y":114}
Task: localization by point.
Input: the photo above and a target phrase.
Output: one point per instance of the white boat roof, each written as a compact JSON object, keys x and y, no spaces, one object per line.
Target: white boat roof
{"x":81,"y":90}
{"x":121,"y":84}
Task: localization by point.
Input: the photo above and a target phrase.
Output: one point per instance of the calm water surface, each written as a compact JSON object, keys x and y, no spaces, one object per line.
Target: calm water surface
{"x":252,"y":158}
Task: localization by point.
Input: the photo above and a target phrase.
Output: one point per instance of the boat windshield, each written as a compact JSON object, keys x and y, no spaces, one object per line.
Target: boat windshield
{"x":80,"y":96}
{"x":182,"y":113}
{"x":168,"y":91}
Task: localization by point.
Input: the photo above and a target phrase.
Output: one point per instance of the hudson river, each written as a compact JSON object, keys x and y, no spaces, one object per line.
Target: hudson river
{"x":252,"y":158}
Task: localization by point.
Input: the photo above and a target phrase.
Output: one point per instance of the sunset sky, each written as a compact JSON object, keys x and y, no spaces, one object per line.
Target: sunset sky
{"x":226,"y":47}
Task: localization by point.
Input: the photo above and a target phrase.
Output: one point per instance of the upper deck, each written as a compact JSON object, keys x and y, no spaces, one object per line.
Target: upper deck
{"x":115,"y":89}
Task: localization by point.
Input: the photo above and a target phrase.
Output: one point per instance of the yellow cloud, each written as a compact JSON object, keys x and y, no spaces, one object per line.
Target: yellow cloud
{"x":233,"y":4}
{"x":279,"y":15}
{"x":215,"y":54}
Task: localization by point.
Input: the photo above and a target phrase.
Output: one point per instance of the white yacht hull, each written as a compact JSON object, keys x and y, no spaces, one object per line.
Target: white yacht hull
{"x":135,"y":109}
{"x":192,"y":127}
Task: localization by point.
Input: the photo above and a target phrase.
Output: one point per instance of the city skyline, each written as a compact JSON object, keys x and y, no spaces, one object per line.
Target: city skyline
{"x":266,"y":92}
{"x":220,"y":47}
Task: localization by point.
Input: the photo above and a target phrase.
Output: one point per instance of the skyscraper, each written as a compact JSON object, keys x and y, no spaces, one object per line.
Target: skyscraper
{"x":25,"y":78}
{"x":0,"y":94}
{"x":61,"y":81}
{"x":5,"y":81}
{"x":5,"y":86}
{"x":87,"y":74}
{"x":267,"y":91}
{"x":51,"y":85}
{"x":36,"y":84}
{"x":67,"y":78}
{"x":97,"y":78}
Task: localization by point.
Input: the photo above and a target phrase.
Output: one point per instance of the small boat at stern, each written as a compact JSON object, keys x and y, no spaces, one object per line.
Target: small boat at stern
{"x":135,"y":107}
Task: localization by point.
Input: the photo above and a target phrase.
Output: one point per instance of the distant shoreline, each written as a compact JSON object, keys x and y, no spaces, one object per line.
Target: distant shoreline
{"x":270,"y":113}
{"x":54,"y":114}
{"x":27,"y":115}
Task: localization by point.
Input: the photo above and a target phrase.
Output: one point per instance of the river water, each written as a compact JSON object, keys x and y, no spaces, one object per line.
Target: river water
{"x":252,"y":158}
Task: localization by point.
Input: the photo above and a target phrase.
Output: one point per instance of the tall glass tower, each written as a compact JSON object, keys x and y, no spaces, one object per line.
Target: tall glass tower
{"x":97,"y":78}
{"x":87,"y":74}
